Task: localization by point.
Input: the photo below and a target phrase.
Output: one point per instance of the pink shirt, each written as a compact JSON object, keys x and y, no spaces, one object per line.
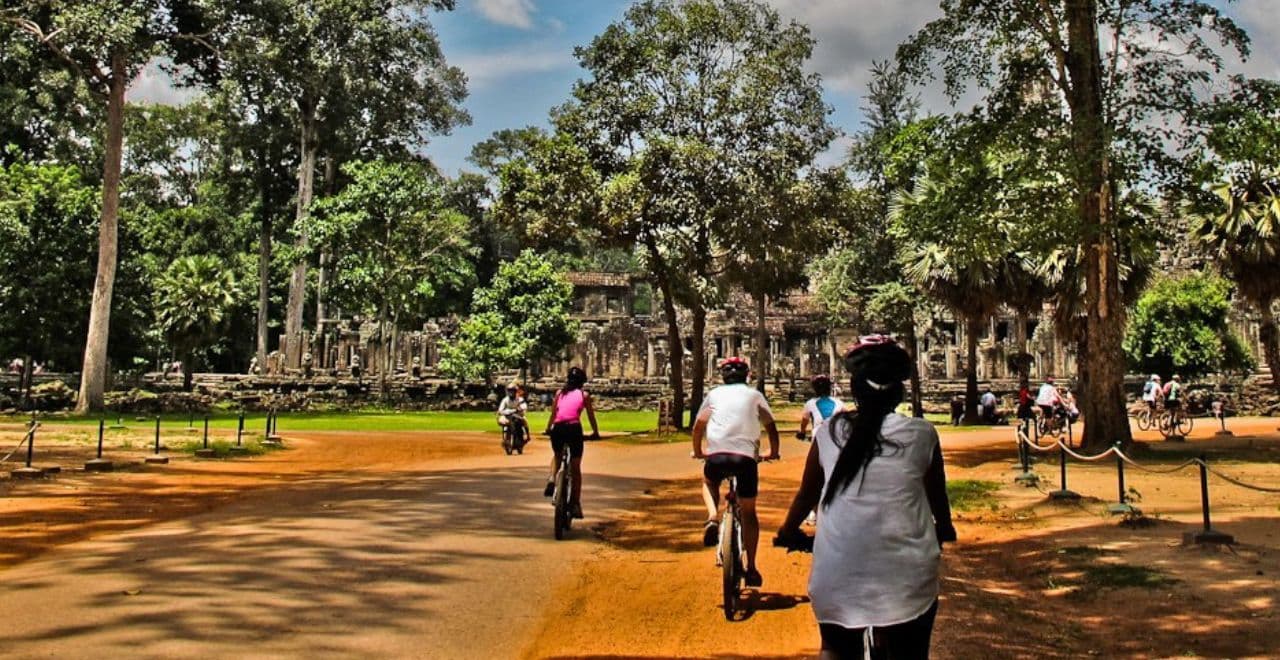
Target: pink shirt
{"x":569,"y":409}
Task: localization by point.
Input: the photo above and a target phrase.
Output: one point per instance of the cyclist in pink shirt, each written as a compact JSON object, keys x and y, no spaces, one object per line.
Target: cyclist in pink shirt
{"x":565,"y":428}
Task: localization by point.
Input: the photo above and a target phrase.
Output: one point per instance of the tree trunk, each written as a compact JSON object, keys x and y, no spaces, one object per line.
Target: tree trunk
{"x":1270,"y":338}
{"x":24,"y":379}
{"x":93,"y":374}
{"x":675,"y":353}
{"x":1020,"y":340}
{"x":298,"y":280}
{"x":699,"y":356}
{"x":187,"y":370}
{"x":322,"y":279}
{"x":913,"y":347}
{"x":264,"y":260}
{"x":1103,"y":403}
{"x":762,"y":341}
{"x":972,"y":327}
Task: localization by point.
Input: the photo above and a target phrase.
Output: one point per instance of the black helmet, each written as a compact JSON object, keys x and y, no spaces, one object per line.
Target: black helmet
{"x":878,"y":361}
{"x":734,"y":370}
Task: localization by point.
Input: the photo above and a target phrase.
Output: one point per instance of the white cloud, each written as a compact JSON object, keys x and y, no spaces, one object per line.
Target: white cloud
{"x":484,"y":69}
{"x":154,"y":86}
{"x":512,"y":13}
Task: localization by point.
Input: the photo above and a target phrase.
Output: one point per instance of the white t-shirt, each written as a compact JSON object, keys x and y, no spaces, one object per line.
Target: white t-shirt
{"x":813,"y":409}
{"x":1048,"y":395}
{"x":734,"y":424}
{"x":875,"y":555}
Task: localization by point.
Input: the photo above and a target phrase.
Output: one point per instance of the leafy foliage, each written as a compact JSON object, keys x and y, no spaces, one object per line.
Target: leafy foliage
{"x":1180,"y":326}
{"x":193,"y":299}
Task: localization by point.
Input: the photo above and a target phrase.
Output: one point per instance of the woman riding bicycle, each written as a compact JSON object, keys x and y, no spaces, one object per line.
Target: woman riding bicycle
{"x":565,"y":428}
{"x":879,"y":479}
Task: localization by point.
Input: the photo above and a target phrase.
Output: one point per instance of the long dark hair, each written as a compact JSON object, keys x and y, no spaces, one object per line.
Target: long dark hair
{"x":576,"y":378}
{"x":878,"y":372}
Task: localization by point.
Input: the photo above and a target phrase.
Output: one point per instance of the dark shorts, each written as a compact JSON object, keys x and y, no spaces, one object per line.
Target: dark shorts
{"x":1173,"y":405}
{"x":904,"y":641}
{"x":722,"y":466}
{"x":567,"y":435}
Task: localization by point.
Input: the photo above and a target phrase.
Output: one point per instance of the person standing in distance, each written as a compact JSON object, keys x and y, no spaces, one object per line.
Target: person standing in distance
{"x":730,"y":421}
{"x":879,"y":479}
{"x":564,"y":425}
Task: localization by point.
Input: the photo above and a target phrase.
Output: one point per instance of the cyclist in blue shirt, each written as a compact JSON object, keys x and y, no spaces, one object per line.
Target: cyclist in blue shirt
{"x":820,"y":408}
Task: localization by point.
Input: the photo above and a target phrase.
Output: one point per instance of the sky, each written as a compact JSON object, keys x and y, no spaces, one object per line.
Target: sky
{"x":518,"y":57}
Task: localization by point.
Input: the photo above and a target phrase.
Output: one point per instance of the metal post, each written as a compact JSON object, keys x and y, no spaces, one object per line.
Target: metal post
{"x":206,"y":431}
{"x":99,"y":464}
{"x":31,"y":443}
{"x":101,"y":426}
{"x":157,"y":434}
{"x":1209,"y":535}
{"x":240,"y":429}
{"x":1123,"y":506}
{"x":1064,"y":493}
{"x":1026,"y":477}
{"x":267,"y":433}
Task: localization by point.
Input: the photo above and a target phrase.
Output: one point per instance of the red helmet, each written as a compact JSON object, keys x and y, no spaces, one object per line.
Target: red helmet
{"x":734,"y":370}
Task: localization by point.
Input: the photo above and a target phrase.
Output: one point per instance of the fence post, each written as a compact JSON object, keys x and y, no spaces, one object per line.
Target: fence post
{"x":29,"y":472}
{"x":1064,"y":493}
{"x":239,"y":448}
{"x":1123,"y":506}
{"x":99,"y":464}
{"x":1026,"y":477}
{"x":204,"y":451}
{"x":156,"y":458}
{"x":1208,"y":535}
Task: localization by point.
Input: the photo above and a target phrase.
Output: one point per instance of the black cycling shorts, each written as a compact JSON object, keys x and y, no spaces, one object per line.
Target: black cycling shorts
{"x":722,"y":466}
{"x":1174,"y":404}
{"x":567,"y":435}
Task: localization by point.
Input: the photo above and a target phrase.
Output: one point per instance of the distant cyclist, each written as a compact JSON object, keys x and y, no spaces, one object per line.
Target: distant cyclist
{"x":1048,"y":398}
{"x":511,"y":410}
{"x":730,"y":421}
{"x":1152,"y":392}
{"x":1173,"y":394}
{"x":878,"y":477}
{"x":565,"y":428}
{"x":820,"y":408}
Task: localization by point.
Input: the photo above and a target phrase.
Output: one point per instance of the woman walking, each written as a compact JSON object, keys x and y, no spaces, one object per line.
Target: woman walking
{"x":879,"y":479}
{"x":565,"y":428}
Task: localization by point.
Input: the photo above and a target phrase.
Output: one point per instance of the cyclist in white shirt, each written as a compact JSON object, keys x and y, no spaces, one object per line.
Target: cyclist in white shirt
{"x":1048,"y":398}
{"x":879,"y":479}
{"x":730,"y":421}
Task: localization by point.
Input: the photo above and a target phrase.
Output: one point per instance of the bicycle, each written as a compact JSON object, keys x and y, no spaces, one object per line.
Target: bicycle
{"x":729,"y":555}
{"x":513,"y":436}
{"x":560,"y":496}
{"x":1052,"y":425}
{"x":1146,"y":418}
{"x":1175,"y":421}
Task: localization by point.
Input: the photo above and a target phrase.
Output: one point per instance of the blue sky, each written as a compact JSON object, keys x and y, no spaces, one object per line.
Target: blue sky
{"x":518,"y":55}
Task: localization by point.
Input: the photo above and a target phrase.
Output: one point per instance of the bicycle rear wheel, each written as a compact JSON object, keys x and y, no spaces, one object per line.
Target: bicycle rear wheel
{"x":1144,"y":420}
{"x":1185,"y":425}
{"x":560,"y":502}
{"x":730,"y":563}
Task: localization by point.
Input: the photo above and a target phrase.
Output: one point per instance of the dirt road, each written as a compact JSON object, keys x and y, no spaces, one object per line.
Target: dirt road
{"x":421,"y":545}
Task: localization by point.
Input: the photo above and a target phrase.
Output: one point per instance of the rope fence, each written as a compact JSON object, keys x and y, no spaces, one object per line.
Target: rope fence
{"x":1026,"y":444}
{"x":25,"y":440}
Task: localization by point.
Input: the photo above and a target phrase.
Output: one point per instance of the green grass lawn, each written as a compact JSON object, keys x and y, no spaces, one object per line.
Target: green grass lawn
{"x":628,"y":421}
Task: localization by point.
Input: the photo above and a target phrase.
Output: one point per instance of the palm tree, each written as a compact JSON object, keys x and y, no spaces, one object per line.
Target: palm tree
{"x":1244,"y":239}
{"x":193,"y":298}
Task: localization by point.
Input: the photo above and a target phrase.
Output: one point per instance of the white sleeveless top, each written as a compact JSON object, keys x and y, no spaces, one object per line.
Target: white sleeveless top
{"x":875,"y":554}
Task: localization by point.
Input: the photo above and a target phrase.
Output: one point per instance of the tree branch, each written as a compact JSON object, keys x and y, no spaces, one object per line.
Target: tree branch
{"x":91,"y":73}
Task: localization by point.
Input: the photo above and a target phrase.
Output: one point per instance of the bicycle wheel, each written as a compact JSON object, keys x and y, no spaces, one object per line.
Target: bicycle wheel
{"x":1165,"y":424}
{"x":1144,"y":420}
{"x":1185,"y":425}
{"x":730,"y":561}
{"x":560,"y":502}
{"x":506,"y":439}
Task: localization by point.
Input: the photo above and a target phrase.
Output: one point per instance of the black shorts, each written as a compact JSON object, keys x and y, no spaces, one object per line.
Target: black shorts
{"x":722,"y":466}
{"x":567,"y":435}
{"x":908,"y":640}
{"x":1173,"y":405}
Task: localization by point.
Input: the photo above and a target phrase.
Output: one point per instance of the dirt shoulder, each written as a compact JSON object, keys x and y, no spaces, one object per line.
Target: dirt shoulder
{"x":1029,"y":578}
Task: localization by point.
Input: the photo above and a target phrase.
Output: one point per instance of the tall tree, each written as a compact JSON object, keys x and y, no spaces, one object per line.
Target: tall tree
{"x":1181,"y":326}
{"x":712,"y":90}
{"x":364,"y":72}
{"x":105,"y":43}
{"x":1124,"y":100}
{"x":47,"y":217}
{"x":1238,"y":223}
{"x":402,"y":248}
